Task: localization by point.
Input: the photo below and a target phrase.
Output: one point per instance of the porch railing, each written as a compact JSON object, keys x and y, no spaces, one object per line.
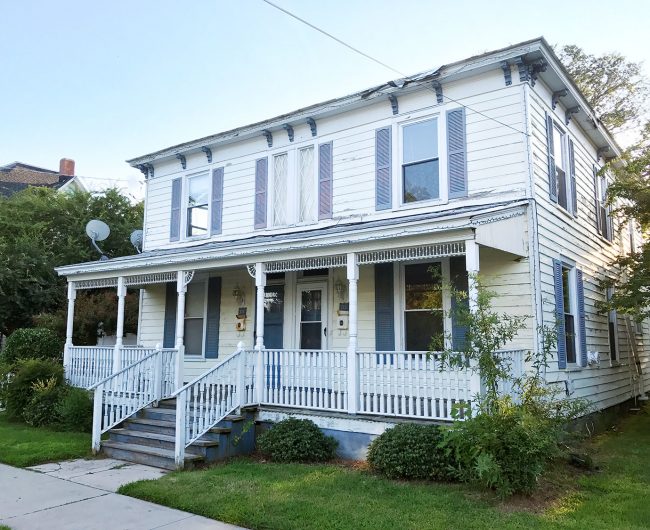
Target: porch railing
{"x":205,"y":401}
{"x":120,"y":395}
{"x":311,"y":379}
{"x":91,"y":364}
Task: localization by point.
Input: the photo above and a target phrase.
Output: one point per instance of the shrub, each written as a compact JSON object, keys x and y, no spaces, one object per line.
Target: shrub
{"x":32,"y":343}
{"x":506,"y":450}
{"x":75,"y":410}
{"x":42,"y":410}
{"x":411,"y":451}
{"x":19,"y":390}
{"x":294,"y":440}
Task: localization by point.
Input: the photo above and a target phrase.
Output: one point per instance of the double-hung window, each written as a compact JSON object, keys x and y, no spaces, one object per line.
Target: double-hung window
{"x":420,"y":161}
{"x":612,"y":327}
{"x":570,"y":314}
{"x":293,"y":187}
{"x":423,"y":305}
{"x":570,"y":309}
{"x":197,"y":205}
{"x":559,"y":140}
{"x":195,"y":319}
{"x":561,"y":167}
{"x":603,"y":217}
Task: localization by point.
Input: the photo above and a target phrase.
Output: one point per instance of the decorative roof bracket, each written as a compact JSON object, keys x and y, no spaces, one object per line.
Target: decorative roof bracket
{"x":393,"y":103}
{"x":149,"y":169}
{"x":555,"y":99}
{"x":438,"y":88}
{"x":289,"y":130}
{"x":530,"y":71}
{"x":143,"y":169}
{"x":600,"y":153}
{"x":208,"y":153}
{"x":183,"y":161}
{"x":269,"y":137}
{"x":507,"y":72}
{"x":569,"y":114}
{"x":312,"y":126}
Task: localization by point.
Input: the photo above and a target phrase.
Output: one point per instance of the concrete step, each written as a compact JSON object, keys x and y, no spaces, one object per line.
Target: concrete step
{"x":151,"y":456}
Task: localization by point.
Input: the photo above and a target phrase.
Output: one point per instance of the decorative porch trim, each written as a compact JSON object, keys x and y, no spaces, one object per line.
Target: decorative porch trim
{"x":407,"y":254}
{"x":129,"y":281}
{"x":96,"y":284}
{"x":303,"y":264}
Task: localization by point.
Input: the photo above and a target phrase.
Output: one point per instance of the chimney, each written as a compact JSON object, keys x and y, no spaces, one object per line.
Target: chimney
{"x":66,"y":167}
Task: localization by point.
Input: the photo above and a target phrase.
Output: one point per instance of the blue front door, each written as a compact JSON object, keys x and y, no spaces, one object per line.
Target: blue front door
{"x":273,"y":317}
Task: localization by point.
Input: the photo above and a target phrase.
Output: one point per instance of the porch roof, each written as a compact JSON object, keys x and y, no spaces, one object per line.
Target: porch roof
{"x":453,"y":225}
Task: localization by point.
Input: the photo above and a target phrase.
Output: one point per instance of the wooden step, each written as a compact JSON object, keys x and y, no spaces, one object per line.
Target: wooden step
{"x":151,"y":456}
{"x":161,"y":441}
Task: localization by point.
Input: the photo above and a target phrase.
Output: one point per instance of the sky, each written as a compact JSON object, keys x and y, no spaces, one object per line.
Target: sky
{"x":101,"y":82}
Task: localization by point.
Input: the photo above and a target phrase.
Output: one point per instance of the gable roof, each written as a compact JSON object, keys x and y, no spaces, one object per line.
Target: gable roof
{"x":17,"y":176}
{"x":529,"y":51}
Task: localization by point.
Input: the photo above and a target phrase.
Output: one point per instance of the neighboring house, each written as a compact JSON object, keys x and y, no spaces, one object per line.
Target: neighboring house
{"x":286,"y":262}
{"x":18,"y":176}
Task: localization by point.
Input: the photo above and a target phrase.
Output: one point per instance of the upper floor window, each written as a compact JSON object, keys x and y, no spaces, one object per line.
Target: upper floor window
{"x":603,"y":214}
{"x":561,"y":167}
{"x":420,"y":162}
{"x":293,"y":187}
{"x":559,"y":140}
{"x":197,"y":205}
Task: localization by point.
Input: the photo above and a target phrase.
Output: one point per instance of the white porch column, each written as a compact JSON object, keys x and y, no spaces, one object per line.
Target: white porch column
{"x":119,"y":328}
{"x":260,"y":284}
{"x":353,"y":371}
{"x":67,"y":350}
{"x":181,"y":289}
{"x":472,"y":266}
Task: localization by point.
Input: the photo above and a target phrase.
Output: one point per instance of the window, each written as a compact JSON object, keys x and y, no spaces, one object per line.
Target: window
{"x":306,"y":181}
{"x":423,"y":305}
{"x":198,"y":192}
{"x":194,"y":318}
{"x":280,"y":175}
{"x":632,"y":234}
{"x":612,"y":327}
{"x":559,"y":139}
{"x":570,"y":309}
{"x":420,"y":163}
{"x":293,"y":187}
{"x":603,"y":218}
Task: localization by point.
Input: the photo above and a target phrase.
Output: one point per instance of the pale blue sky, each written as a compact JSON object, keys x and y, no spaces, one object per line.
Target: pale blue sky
{"x":103,"y":82}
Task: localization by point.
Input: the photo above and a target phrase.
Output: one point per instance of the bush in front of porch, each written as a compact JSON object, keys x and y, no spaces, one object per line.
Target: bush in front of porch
{"x":296,"y":440}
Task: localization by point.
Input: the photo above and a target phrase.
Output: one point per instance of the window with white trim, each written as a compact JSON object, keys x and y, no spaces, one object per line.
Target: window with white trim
{"x":197,"y":205}
{"x":570,"y":312}
{"x":612,"y":328}
{"x":293,"y":186}
{"x":561,"y":166}
{"x":420,"y":161}
{"x":195,"y":313}
{"x":605,"y":227}
{"x":423,"y":305}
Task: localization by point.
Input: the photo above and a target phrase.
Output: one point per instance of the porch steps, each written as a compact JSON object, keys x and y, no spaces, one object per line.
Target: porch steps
{"x":149,"y":437}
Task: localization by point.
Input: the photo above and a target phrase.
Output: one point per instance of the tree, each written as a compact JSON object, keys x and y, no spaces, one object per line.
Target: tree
{"x":613,"y":86}
{"x":40,"y":229}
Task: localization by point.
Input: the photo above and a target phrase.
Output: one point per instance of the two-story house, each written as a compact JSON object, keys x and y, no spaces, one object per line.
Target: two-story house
{"x":288,"y":264}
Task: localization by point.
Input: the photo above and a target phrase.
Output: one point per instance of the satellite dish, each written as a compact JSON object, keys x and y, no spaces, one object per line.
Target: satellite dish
{"x":98,"y":231}
{"x":136,"y":240}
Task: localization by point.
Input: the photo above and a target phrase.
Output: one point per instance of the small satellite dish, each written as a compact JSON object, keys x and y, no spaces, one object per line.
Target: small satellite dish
{"x":136,"y":240}
{"x":98,"y":231}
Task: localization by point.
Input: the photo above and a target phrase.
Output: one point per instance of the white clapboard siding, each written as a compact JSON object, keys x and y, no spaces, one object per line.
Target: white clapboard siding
{"x":577,"y":239}
{"x":496,"y":158}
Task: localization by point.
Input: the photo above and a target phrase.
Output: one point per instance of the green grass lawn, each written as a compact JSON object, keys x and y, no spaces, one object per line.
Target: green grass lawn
{"x":293,"y":496}
{"x":22,"y":445}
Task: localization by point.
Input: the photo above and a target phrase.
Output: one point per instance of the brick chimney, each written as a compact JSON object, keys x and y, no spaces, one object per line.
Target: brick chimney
{"x":66,"y":167}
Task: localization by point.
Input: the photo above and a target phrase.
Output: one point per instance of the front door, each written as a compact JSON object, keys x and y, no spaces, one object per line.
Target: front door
{"x":312,"y":316}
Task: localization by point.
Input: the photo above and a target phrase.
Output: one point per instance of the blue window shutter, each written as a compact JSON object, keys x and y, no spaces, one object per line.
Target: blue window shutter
{"x":212,"y":321}
{"x":581,"y":318}
{"x":325,"y":184}
{"x":175,"y":222}
{"x":261,"y":185}
{"x":559,"y":313}
{"x":456,"y":153}
{"x":217,"y":201}
{"x":384,"y":307}
{"x":383,"y":173}
{"x":552,"y":177}
{"x":459,"y":280}
{"x":572,"y":171}
{"x":169,"y":329}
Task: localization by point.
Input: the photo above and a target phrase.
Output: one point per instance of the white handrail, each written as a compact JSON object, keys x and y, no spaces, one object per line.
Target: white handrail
{"x":205,"y":401}
{"x":119,"y":396}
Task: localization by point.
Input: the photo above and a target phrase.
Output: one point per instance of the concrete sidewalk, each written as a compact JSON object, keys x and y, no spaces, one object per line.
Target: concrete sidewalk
{"x":81,"y":495}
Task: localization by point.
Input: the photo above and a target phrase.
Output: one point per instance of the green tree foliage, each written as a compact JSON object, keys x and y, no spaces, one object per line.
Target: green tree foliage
{"x":614,"y":87}
{"x":40,"y":229}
